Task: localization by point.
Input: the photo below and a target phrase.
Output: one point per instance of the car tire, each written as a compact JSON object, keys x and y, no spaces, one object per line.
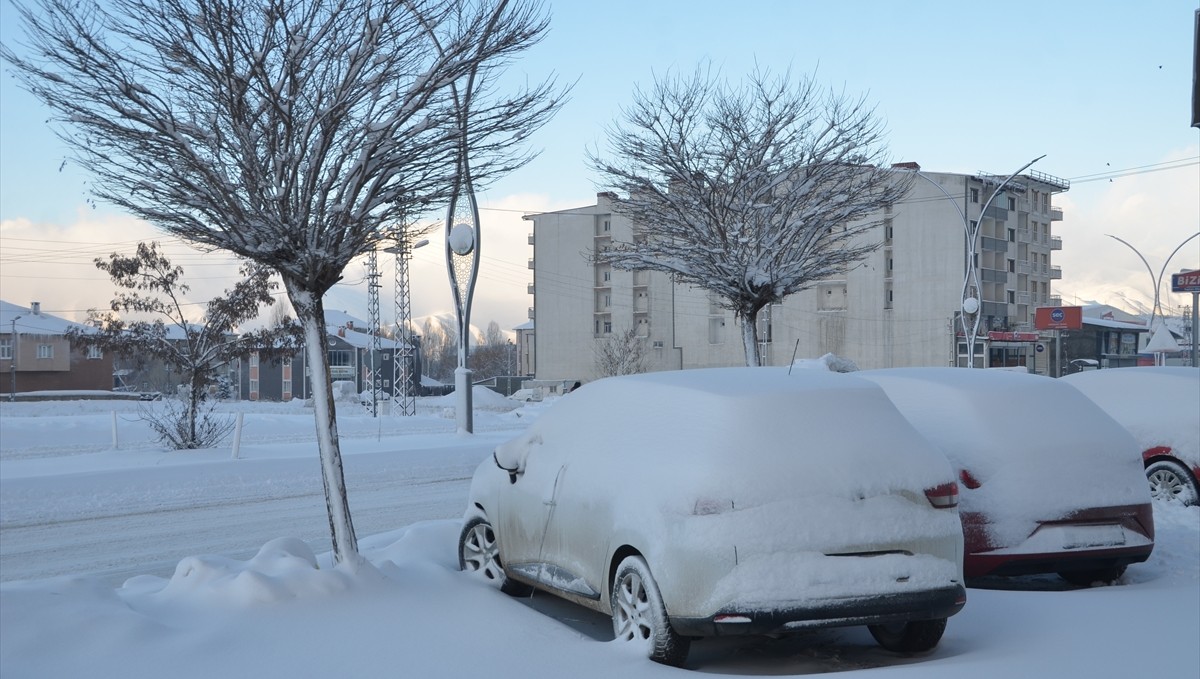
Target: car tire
{"x":914,"y":636}
{"x":1087,"y":578}
{"x":1170,"y":481}
{"x":479,"y":552}
{"x":639,"y":615}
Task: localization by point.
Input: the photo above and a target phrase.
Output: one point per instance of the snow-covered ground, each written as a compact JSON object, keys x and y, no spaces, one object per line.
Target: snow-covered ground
{"x":134,"y":562}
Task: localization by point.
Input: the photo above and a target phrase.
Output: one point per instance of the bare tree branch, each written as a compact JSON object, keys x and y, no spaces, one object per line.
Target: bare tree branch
{"x":753,"y":191}
{"x":294,"y":133}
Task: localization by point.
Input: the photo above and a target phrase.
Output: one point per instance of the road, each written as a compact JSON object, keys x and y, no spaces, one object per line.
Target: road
{"x":120,"y":523}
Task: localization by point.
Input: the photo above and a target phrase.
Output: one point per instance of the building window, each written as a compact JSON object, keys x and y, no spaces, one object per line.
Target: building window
{"x":975,"y":196}
{"x":1012,"y":296}
{"x":1012,"y":266}
{"x":607,"y":276}
{"x":95,"y":353}
{"x":45,"y":351}
{"x":6,"y":346}
{"x":1012,"y":204}
{"x":607,"y":327}
{"x":1012,"y":235}
{"x":714,"y":330}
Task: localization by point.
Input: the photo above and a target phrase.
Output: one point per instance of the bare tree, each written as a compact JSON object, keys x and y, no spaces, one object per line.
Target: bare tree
{"x":295,"y":133}
{"x":620,"y":353}
{"x":752,"y":191}
{"x":196,"y":347}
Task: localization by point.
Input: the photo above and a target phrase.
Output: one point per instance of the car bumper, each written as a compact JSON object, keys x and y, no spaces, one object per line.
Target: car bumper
{"x":897,"y":607}
{"x":1096,"y":539}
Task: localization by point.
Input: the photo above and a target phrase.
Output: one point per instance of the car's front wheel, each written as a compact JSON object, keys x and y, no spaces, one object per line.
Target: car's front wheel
{"x":479,"y":552}
{"x":639,"y":615}
{"x":1170,"y":481}
{"x":914,"y":636}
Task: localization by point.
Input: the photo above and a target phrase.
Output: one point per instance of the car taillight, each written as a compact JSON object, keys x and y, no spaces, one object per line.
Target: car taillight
{"x":944,"y":496}
{"x":968,"y":480}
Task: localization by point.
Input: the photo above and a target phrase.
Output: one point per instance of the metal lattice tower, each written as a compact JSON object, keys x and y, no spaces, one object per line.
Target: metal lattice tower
{"x":405,"y":400}
{"x":373,"y":327}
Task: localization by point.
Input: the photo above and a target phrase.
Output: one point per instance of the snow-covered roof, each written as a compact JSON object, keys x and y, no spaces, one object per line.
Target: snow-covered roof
{"x":361,"y":340}
{"x":1116,"y":325}
{"x":29,"y":323}
{"x":1162,"y":341}
{"x":527,"y":325}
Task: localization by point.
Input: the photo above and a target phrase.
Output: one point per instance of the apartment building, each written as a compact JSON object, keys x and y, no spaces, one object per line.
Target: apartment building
{"x":897,"y":307}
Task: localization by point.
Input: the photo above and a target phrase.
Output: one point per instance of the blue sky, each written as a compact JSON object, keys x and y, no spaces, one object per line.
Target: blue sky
{"x":1101,"y":88}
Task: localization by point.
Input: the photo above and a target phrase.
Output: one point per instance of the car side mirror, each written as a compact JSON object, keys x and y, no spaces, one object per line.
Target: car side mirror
{"x":512,"y":473}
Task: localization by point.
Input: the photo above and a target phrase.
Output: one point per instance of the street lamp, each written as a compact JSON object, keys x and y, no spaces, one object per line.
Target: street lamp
{"x":1156,"y":281}
{"x":971,"y":288}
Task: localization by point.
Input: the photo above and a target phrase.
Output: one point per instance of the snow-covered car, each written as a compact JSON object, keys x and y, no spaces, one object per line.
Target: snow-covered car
{"x":723,"y":502}
{"x":1160,"y":406}
{"x":1049,"y":482}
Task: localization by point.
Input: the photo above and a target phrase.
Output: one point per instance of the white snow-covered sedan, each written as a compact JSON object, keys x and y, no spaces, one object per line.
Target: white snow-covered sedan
{"x":1160,"y":406}
{"x":724,"y":502}
{"x":1050,"y":483}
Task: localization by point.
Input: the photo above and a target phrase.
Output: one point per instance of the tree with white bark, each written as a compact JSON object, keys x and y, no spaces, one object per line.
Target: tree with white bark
{"x":752,"y":191}
{"x":297,"y":134}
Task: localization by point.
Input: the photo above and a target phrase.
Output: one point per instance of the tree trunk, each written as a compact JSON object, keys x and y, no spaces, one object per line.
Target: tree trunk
{"x":750,"y":337}
{"x":195,"y":388}
{"x":311,"y":313}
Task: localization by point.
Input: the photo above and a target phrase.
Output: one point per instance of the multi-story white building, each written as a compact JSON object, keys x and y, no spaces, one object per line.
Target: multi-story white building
{"x":898,"y":307}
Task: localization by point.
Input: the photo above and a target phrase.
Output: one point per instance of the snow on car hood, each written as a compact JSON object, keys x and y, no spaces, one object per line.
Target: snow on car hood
{"x":1038,"y":448}
{"x":747,"y":436}
{"x":1160,"y":406}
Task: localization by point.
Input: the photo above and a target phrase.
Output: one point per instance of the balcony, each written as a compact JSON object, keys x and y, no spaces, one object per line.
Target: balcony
{"x":531,"y":313}
{"x":993,"y":275}
{"x":994,"y":244}
{"x":1055,"y":243}
{"x":1023,"y":298}
{"x":531,"y":239}
{"x":1024,"y":235}
{"x":1055,"y":300}
{"x":531,"y":263}
{"x":1055,"y":214}
{"x":529,"y":288}
{"x":1055,"y":273}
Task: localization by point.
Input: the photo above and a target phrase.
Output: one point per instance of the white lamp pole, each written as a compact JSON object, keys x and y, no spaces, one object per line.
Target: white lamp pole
{"x":1156,"y":281}
{"x":970,"y":301}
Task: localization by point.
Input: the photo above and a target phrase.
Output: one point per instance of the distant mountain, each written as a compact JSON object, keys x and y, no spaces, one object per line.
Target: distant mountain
{"x":448,"y":324}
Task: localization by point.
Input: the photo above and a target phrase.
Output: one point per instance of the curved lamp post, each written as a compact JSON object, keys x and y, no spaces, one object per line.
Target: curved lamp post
{"x":969,"y":317}
{"x":1155,"y":280}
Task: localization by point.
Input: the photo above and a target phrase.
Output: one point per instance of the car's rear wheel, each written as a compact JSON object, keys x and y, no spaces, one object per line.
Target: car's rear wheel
{"x":479,"y":552}
{"x":1087,"y":578}
{"x":1170,"y":481}
{"x":640,"y":617}
{"x":914,"y":636}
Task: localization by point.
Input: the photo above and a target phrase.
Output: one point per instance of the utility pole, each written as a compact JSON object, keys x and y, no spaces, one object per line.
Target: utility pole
{"x":12,"y":395}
